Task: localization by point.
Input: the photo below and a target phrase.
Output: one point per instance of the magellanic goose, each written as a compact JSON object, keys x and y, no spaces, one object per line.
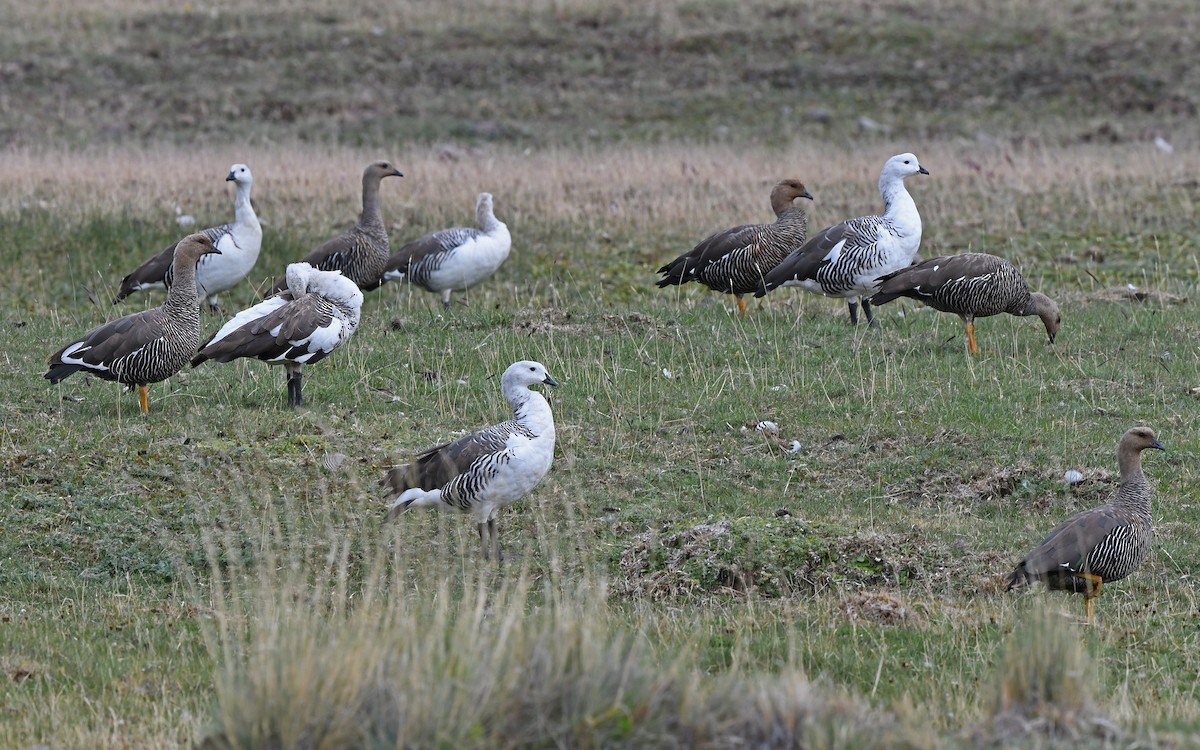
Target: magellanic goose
{"x":1102,"y":544}
{"x":845,"y":260}
{"x":734,"y":261}
{"x":361,"y":253}
{"x":149,"y":346}
{"x":970,"y":285}
{"x":453,"y":259}
{"x":489,"y":469}
{"x":239,"y":244}
{"x":308,"y":321}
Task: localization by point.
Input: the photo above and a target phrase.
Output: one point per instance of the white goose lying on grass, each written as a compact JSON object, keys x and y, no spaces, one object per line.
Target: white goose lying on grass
{"x":312,"y":318}
{"x":489,"y":469}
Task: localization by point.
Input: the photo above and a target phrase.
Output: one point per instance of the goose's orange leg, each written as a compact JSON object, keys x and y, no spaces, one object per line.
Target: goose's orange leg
{"x":1094,"y":583}
{"x":972,"y":347}
{"x":144,"y":398}
{"x":741,"y":306}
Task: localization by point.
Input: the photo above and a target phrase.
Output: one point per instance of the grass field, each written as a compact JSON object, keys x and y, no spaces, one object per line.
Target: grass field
{"x":218,"y":575}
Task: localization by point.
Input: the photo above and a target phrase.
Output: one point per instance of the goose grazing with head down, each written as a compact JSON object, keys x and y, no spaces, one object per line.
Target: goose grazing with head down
{"x":149,"y":346}
{"x":361,"y":253}
{"x":489,"y":469}
{"x":238,"y":243}
{"x":971,"y":285}
{"x":845,"y":260}
{"x":734,"y":261}
{"x":453,"y":259}
{"x":1102,"y":544}
{"x":312,"y":318}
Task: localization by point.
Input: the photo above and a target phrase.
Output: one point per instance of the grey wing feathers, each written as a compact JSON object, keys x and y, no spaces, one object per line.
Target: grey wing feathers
{"x":1069,"y":543}
{"x":112,"y":341}
{"x":691,"y":264}
{"x":806,"y":261}
{"x":295,"y":320}
{"x":926,"y":278}
{"x":438,"y":465}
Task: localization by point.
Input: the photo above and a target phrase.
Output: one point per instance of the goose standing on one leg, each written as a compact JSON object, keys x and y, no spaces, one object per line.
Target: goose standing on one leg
{"x":489,"y":469}
{"x":1102,"y":544}
{"x":312,"y":318}
{"x":453,"y":259}
{"x":971,"y":285}
{"x":146,"y":347}
{"x":361,"y":253}
{"x":239,"y":244}
{"x":734,"y":261}
{"x":845,"y":260}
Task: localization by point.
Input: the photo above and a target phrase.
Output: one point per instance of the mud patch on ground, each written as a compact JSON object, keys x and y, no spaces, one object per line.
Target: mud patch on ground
{"x":772,"y":557}
{"x":877,"y":607}
{"x":1135,"y":294}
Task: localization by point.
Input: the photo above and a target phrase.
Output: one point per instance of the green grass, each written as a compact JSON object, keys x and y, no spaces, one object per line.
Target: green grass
{"x":217,"y":574}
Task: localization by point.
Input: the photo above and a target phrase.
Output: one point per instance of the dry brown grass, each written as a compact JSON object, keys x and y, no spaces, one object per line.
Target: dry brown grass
{"x":632,"y":192}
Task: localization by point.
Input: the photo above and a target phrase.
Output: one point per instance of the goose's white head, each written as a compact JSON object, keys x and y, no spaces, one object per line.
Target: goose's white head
{"x":901,"y":166}
{"x":240,"y":174}
{"x":524,"y":374}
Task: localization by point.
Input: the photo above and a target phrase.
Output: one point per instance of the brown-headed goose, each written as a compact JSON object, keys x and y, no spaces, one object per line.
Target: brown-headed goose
{"x":970,"y":285}
{"x":361,"y":253}
{"x":146,"y":347}
{"x":734,"y":261}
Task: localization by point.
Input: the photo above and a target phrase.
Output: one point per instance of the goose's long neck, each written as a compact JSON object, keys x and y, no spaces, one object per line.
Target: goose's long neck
{"x":182,"y":295}
{"x":1134,"y":490}
{"x":371,"y":215}
{"x":243,"y":210}
{"x":898,"y":206}
{"x":485,"y":216}
{"x":531,"y":410}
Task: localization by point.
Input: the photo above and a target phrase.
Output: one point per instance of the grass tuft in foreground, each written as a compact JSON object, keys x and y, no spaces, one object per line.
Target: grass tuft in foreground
{"x":355,"y":647}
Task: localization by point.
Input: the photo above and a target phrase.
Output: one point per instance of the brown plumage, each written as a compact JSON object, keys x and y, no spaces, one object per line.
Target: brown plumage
{"x":149,"y":346}
{"x":733,"y":261}
{"x":970,"y":285}
{"x":361,"y":253}
{"x":1102,"y":544}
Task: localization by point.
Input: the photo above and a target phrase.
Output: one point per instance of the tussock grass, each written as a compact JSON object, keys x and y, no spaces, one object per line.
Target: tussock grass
{"x":353,"y":647}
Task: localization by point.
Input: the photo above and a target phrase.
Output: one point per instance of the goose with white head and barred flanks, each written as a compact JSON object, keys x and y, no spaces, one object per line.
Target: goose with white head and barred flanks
{"x":970,"y":285}
{"x":453,"y":259}
{"x":1103,"y":544}
{"x":149,"y":346}
{"x":845,"y":260}
{"x":239,"y":244}
{"x":734,"y":261}
{"x":314,"y":317}
{"x":361,"y":253}
{"x":487,"y":470}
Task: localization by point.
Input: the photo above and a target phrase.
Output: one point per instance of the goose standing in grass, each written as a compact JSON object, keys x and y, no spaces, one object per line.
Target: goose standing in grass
{"x":970,"y":285}
{"x":149,"y":346}
{"x":308,"y":321}
{"x":1102,"y":544}
{"x":845,"y":260}
{"x":361,"y":253}
{"x":734,"y":261}
{"x":489,"y":469}
{"x":453,"y":259}
{"x":239,"y":244}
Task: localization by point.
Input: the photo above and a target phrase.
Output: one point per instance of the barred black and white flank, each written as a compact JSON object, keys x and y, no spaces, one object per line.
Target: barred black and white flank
{"x":239,"y":244}
{"x":361,"y":253}
{"x":971,"y":285}
{"x":734,"y":261}
{"x":149,"y":346}
{"x":845,"y":259}
{"x":314,"y":317}
{"x":489,"y":469}
{"x":453,"y":259}
{"x":1102,"y":544}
